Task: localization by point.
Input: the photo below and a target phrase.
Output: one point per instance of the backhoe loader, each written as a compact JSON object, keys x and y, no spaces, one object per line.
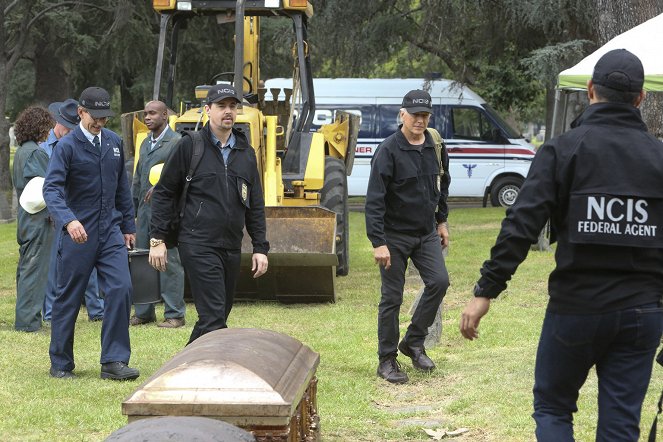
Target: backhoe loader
{"x":304,"y":174}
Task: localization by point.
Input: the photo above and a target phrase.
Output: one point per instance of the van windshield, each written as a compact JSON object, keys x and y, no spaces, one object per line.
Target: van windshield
{"x":510,"y":131}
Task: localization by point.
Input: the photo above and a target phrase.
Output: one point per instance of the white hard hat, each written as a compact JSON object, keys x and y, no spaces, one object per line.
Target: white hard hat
{"x":32,"y":198}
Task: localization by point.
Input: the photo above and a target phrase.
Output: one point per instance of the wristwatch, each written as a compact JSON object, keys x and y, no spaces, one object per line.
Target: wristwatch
{"x":155,"y":242}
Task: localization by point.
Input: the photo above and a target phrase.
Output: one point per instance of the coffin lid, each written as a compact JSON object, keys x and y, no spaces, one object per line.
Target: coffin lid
{"x":229,"y":373}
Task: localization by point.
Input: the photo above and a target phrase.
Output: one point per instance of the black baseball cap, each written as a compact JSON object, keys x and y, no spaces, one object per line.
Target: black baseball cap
{"x":620,"y":70}
{"x":65,"y":112}
{"x":220,"y":92}
{"x":417,"y":101}
{"x":97,"y":102}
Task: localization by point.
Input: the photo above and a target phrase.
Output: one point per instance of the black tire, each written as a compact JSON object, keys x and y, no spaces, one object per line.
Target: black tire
{"x":334,"y":196}
{"x":504,"y":191}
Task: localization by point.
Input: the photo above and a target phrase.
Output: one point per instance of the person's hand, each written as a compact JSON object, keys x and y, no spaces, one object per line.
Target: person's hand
{"x":443,"y":232}
{"x":77,"y":232}
{"x":258,"y":264}
{"x":471,"y":316}
{"x":129,"y":240}
{"x":158,"y":257}
{"x":148,"y":195}
{"x":382,"y":256}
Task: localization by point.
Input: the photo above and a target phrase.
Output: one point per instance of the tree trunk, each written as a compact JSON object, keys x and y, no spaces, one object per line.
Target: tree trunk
{"x":51,"y":79}
{"x":615,"y":18}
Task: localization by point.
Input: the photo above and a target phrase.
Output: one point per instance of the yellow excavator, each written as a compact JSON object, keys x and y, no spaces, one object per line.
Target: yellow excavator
{"x":304,"y":173}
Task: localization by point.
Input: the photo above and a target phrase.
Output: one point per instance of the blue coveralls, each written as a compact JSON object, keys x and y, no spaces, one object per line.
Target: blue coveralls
{"x":90,"y":186}
{"x":34,"y":236}
{"x":172,"y":280}
{"x":94,"y":304}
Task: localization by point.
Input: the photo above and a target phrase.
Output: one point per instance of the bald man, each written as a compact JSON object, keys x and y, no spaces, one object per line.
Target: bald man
{"x":154,"y":150}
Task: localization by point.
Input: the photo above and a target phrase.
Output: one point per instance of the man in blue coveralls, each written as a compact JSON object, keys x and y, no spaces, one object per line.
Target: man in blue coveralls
{"x":66,"y":119}
{"x":87,"y":193}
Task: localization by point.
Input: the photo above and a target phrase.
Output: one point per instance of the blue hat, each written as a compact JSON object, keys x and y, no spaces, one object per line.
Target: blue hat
{"x":65,"y":113}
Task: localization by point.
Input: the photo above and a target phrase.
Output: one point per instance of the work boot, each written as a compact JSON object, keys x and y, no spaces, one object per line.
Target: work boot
{"x":420,"y":360}
{"x":135,"y":320}
{"x":118,"y":371}
{"x":172,"y":323}
{"x":61,"y":374}
{"x":390,"y":370}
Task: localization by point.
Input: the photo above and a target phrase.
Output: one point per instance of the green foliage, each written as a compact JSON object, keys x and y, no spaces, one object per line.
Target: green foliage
{"x":22,"y":86}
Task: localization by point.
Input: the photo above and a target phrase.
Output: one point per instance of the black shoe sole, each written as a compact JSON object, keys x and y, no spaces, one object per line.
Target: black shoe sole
{"x":402,"y":348}
{"x":116,"y":377}
{"x":404,"y":381}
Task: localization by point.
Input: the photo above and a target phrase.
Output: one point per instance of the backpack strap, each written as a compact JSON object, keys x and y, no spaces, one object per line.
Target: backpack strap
{"x":196,"y":155}
{"x":439,"y":147}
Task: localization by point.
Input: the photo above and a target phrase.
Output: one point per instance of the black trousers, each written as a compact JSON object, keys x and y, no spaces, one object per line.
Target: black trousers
{"x":426,"y":254}
{"x":213,"y":274}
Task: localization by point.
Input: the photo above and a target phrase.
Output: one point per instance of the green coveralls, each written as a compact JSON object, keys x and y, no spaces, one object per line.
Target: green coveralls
{"x":34,"y":236}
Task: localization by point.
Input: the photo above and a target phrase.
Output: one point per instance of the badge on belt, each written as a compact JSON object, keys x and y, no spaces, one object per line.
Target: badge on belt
{"x":245,"y":191}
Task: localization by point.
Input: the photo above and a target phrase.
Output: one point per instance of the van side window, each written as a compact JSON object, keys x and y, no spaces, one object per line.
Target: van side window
{"x":389,"y":119}
{"x":366,"y":119}
{"x":471,"y":124}
{"x":325,"y":115}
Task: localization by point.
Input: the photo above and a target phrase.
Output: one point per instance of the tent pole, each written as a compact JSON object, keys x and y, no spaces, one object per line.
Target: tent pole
{"x":553,"y":132}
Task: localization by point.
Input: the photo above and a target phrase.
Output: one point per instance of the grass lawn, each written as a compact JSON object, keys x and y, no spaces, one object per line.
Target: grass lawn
{"x":484,"y":386}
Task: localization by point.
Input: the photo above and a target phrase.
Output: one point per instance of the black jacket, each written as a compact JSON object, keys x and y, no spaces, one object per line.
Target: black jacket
{"x":402,"y":192}
{"x":220,"y":200}
{"x":601,"y":184}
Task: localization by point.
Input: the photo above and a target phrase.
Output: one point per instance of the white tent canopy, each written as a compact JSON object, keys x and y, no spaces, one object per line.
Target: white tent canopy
{"x":645,"y":41}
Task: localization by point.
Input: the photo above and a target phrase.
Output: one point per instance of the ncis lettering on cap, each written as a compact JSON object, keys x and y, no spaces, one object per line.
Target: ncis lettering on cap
{"x":97,"y":102}
{"x":616,"y":220}
{"x":221,"y":92}
{"x":417,"y":101}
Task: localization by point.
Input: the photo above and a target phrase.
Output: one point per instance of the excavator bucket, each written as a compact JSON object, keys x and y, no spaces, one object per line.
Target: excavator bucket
{"x":302,"y":257}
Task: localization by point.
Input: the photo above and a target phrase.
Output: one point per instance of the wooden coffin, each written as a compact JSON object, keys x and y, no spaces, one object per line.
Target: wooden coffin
{"x":258,"y":380}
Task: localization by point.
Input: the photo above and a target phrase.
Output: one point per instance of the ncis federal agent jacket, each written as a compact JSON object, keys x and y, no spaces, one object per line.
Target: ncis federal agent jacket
{"x":403,"y":194}
{"x":601,"y":184}
{"x":221,"y":199}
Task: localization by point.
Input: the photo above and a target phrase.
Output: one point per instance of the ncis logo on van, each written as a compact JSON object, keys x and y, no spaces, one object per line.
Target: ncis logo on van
{"x":615,"y":220}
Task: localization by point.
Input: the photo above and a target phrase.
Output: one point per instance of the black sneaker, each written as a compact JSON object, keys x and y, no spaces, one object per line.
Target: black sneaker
{"x":118,"y":371}
{"x":420,"y":359}
{"x":390,"y":370}
{"x":61,"y":374}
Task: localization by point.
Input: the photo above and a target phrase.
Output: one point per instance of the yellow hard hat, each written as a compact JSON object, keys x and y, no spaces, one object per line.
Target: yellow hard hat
{"x":155,"y":173}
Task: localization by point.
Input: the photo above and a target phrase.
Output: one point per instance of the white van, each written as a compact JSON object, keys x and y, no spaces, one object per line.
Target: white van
{"x":486,"y":156}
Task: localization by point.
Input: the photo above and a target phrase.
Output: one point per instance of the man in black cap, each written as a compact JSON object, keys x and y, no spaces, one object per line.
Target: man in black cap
{"x":87,"y":194}
{"x":223,"y":196}
{"x":66,"y":118}
{"x":406,"y":218}
{"x":601,"y":186}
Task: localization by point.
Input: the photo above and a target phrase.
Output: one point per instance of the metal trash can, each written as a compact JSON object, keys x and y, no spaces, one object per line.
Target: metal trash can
{"x":144,"y":278}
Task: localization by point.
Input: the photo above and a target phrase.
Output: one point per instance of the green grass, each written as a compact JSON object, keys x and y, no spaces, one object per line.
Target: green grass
{"x":483,"y":385}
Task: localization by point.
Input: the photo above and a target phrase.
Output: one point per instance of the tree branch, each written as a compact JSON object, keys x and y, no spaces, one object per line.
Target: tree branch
{"x":10,"y":7}
{"x":57,"y":5}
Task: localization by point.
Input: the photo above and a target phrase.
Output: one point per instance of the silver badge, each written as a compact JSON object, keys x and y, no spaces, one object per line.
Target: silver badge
{"x":245,"y":191}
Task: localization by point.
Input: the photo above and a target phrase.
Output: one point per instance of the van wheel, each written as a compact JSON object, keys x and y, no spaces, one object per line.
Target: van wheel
{"x":334,"y":196}
{"x":505,"y":191}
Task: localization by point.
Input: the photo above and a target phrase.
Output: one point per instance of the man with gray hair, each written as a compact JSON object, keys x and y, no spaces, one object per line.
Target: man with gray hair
{"x":406,"y":218}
